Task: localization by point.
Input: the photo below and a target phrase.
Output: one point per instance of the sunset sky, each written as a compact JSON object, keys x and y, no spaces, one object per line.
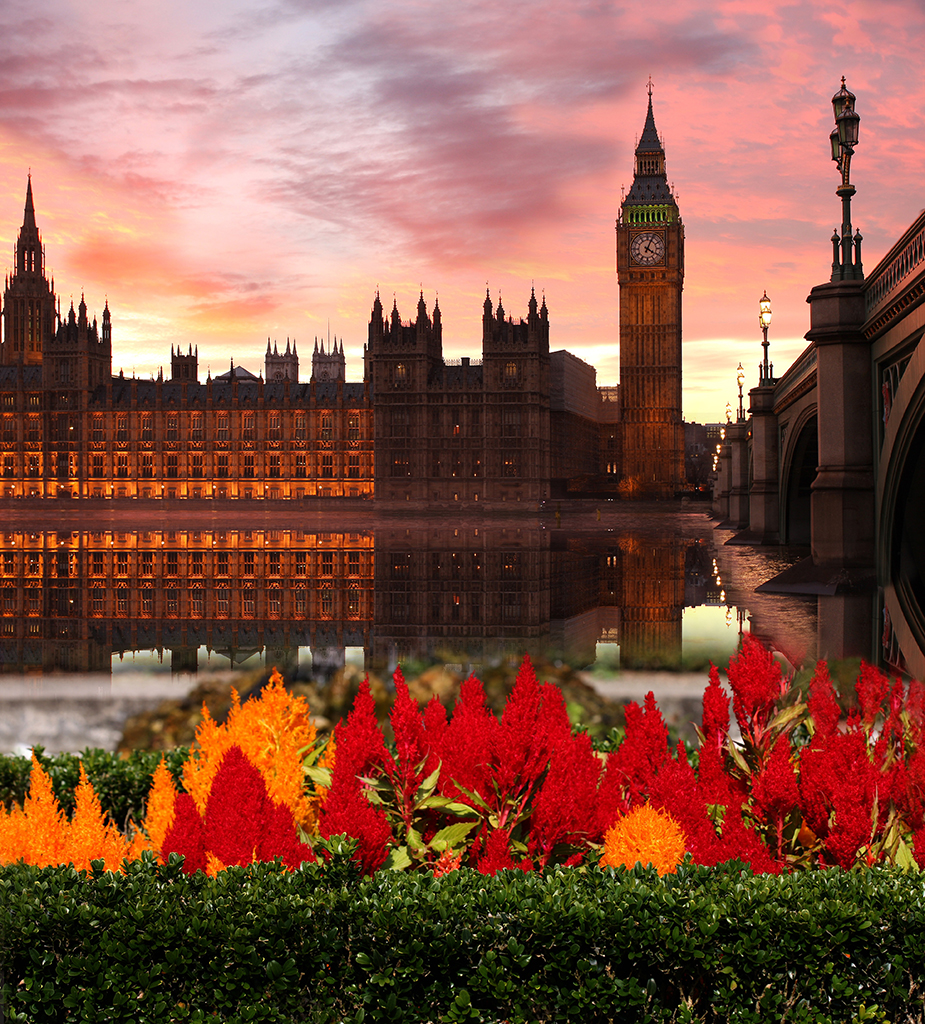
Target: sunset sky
{"x":228,"y":172}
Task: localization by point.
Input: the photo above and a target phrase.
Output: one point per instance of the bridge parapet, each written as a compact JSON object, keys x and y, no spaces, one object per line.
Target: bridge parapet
{"x":888,"y":290}
{"x":800,"y":376}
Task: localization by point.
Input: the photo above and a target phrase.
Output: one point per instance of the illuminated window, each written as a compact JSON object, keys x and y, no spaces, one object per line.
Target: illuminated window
{"x":221,"y":426}
{"x":327,"y":466}
{"x":274,"y":426}
{"x":327,"y":426}
{"x":248,"y":471}
{"x":221,"y":466}
{"x":353,"y":427}
{"x":353,"y":466}
{"x":327,"y":563}
{"x":173,"y":426}
{"x":147,"y":466}
{"x":195,"y":469}
{"x":273,"y":470}
{"x":273,"y":563}
{"x":97,"y":429}
{"x":301,"y":430}
{"x":172,"y":467}
{"x":301,"y":467}
{"x":121,"y":465}
{"x":249,"y":430}
{"x":300,"y":563}
{"x":147,"y":427}
{"x":195,"y":426}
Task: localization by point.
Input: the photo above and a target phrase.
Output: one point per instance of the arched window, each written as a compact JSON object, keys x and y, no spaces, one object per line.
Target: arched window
{"x":401,"y":375}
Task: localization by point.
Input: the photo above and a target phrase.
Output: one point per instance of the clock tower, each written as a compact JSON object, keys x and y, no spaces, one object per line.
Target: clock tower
{"x":650,"y":273}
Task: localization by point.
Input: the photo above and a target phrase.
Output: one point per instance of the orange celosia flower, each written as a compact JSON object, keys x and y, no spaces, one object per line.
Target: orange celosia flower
{"x":89,"y":835}
{"x":447,"y":862}
{"x":648,"y":836}
{"x":162,"y":799}
{"x":273,"y":730}
{"x":36,"y":833}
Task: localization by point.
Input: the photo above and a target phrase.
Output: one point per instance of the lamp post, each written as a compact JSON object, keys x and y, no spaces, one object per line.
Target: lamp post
{"x":766,"y":369}
{"x":846,"y":251}
{"x":740,"y":379}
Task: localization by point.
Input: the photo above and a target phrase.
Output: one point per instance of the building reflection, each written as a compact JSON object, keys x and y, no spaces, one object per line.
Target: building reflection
{"x":73,"y":599}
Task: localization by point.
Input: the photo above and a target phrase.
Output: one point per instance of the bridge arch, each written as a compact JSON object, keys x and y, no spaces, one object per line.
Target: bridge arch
{"x":900,"y":504}
{"x":799,"y":459}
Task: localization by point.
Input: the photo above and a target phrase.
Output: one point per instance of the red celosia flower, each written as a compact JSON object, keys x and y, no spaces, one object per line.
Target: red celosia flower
{"x":822,"y":703}
{"x":467,"y":745}
{"x":756,"y":682}
{"x":185,"y":835}
{"x":644,"y":749}
{"x":564,"y":810}
{"x":242,"y":824}
{"x":496,"y":855}
{"x":872,"y":687}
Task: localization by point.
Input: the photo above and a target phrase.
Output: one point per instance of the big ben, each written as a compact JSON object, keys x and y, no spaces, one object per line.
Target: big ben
{"x":650,"y":273}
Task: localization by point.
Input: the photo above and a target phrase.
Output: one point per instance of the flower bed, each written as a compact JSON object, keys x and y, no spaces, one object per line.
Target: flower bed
{"x":374,"y":839}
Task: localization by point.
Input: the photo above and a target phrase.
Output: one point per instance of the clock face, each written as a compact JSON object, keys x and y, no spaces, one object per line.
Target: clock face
{"x":648,"y":248}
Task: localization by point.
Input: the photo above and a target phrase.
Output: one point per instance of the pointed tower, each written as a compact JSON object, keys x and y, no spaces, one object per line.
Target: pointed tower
{"x":650,"y":272}
{"x":330,"y":365}
{"x":182,"y":366}
{"x":279,"y":366}
{"x":28,"y":299}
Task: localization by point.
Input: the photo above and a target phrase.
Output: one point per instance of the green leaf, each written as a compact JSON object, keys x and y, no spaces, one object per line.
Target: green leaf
{"x":449,"y":836}
{"x":320,"y":776}
{"x":474,"y":797}
{"x":398,"y":859}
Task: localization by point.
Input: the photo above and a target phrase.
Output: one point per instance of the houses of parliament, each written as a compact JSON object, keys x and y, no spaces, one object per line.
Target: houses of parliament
{"x":519,"y":424}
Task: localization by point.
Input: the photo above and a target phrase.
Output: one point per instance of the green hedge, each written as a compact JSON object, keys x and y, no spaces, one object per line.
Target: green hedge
{"x":259,"y":944}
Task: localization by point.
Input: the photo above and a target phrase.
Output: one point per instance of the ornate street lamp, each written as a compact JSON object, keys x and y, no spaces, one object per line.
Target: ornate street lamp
{"x":846,"y":251}
{"x":766,"y":369}
{"x":728,"y":419}
{"x":740,"y":379}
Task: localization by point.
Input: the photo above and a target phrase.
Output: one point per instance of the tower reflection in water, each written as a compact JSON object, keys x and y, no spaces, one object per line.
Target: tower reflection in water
{"x":71,"y":600}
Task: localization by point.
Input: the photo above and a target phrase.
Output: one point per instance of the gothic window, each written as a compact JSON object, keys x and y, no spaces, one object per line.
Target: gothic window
{"x":511,"y":423}
{"x":401,"y":375}
{"x":249,"y":472}
{"x":221,"y":467}
{"x":353,"y":428}
{"x":196,"y":426}
{"x":327,"y":466}
{"x":173,"y":563}
{"x":300,"y":563}
{"x":301,"y":431}
{"x":221,"y":426}
{"x":173,"y":426}
{"x":122,"y":465}
{"x":196,"y":563}
{"x":9,"y":428}
{"x":96,"y":567}
{"x":249,"y":562}
{"x":477,"y":467}
{"x":400,"y":464}
{"x":147,"y":466}
{"x":35,"y":468}
{"x":249,"y":430}
{"x":221,"y":563}
{"x":196,"y":466}
{"x":147,"y":427}
{"x":509,"y":467}
{"x":353,"y":602}
{"x":510,"y":565}
{"x":97,"y":469}
{"x":327,"y":426}
{"x":249,"y":602}
{"x":274,"y":467}
{"x":171,"y":600}
{"x":122,"y":427}
{"x":33,"y":429}
{"x":455,"y":426}
{"x":97,"y":428}
{"x":300,"y":467}
{"x":327,"y":563}
{"x":327,"y":603}
{"x":173,"y":468}
{"x":399,"y":423}
{"x":122,"y":563}
{"x":274,"y":563}
{"x":147,"y":563}
{"x":197,"y":602}
{"x":353,"y":466}
{"x":274,"y":427}
{"x":8,"y":469}
{"x":510,"y":373}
